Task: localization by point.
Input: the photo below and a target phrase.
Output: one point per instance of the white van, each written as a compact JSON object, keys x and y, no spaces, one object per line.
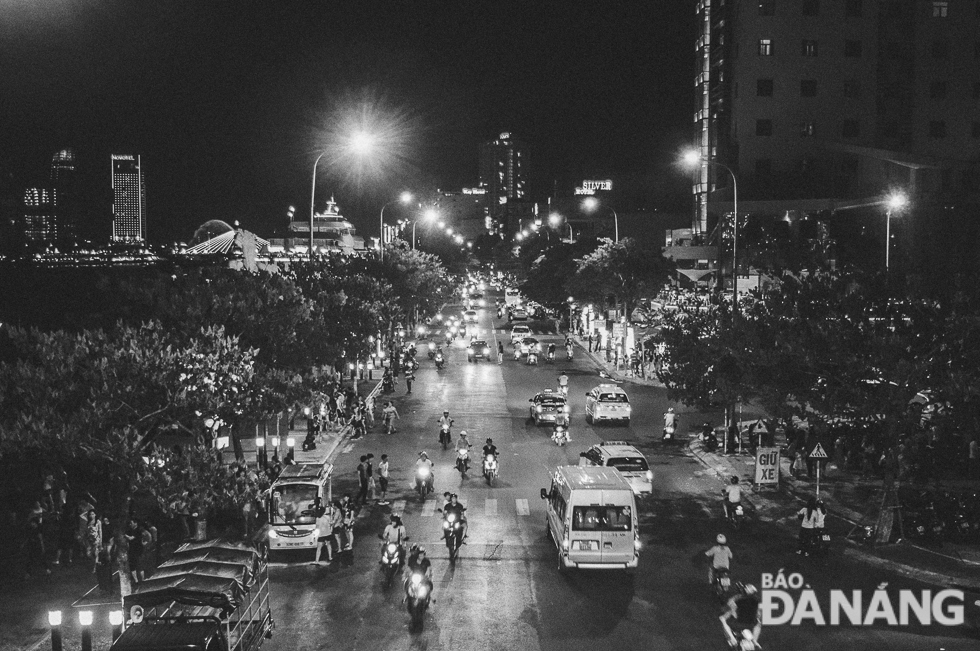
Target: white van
{"x":295,"y":500}
{"x":592,"y":518}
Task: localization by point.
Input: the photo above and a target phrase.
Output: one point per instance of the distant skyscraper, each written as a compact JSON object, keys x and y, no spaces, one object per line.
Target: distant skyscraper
{"x":49,"y":212}
{"x":502,"y":174}
{"x":128,"y":199}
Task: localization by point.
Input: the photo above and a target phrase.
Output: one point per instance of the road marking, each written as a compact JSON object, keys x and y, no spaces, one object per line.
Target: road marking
{"x":523,"y":508}
{"x":490,"y":508}
{"x":428,"y":508}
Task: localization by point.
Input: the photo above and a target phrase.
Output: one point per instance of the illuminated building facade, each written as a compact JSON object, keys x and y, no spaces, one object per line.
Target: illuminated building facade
{"x":128,"y":199}
{"x":502,"y":174}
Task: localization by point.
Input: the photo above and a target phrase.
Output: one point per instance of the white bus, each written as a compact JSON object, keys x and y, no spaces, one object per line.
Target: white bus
{"x":512,"y":296}
{"x":295,"y":500}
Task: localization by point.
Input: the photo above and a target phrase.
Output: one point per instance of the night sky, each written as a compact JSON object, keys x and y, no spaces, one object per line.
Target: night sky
{"x":229,"y":103}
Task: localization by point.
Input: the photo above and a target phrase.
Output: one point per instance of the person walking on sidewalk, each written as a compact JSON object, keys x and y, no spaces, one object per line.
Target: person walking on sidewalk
{"x":389,"y":414}
{"x":369,"y":410}
{"x":808,"y":523}
{"x":383,"y":479}
{"x":362,"y":481}
{"x":370,"y":476}
{"x":409,"y":378}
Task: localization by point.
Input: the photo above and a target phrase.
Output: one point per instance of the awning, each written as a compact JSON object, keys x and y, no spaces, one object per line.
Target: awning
{"x":696,"y":274}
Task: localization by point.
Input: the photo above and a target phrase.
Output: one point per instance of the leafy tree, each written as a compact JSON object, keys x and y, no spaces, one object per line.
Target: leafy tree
{"x":626,"y":270}
{"x":95,"y":403}
{"x":550,"y":274}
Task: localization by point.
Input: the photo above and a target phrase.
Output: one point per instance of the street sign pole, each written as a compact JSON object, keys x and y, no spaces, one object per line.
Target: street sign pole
{"x":819,"y":454}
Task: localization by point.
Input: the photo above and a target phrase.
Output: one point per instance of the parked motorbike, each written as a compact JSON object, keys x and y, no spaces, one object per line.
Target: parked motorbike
{"x":452,"y":529}
{"x":417,"y":599}
{"x":445,"y":435}
{"x":462,"y":462}
{"x":560,"y":435}
{"x":490,"y":468}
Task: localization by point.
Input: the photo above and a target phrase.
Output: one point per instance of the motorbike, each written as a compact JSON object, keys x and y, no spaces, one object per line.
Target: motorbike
{"x":445,"y":435}
{"x":563,"y":389}
{"x":745,"y":640}
{"x":390,"y":561}
{"x":388,"y":384}
{"x":517,"y":352}
{"x":568,"y":353}
{"x":490,"y":468}
{"x":462,"y":461}
{"x":722,"y":585}
{"x":669,"y":433}
{"x":423,"y":481}
{"x":560,"y":435}
{"x":440,"y":360}
{"x":532,"y":358}
{"x":432,"y":349}
{"x":453,"y":533}
{"x":551,"y":357}
{"x":417,"y":599}
{"x":736,"y":513}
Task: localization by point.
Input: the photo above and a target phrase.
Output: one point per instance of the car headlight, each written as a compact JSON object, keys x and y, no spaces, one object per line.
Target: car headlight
{"x":469,"y":350}
{"x":649,"y":475}
{"x":273,"y":534}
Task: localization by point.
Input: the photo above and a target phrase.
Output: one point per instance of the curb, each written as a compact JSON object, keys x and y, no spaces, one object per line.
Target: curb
{"x":855,"y":551}
{"x":616,"y":375}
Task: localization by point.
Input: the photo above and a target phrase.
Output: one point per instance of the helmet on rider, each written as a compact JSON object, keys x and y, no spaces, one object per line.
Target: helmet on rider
{"x":423,"y":455}
{"x":734,"y":480}
{"x":750,"y":589}
{"x":463,"y":433}
{"x":721,"y":540}
{"x":445,"y":412}
{"x":670,"y":410}
{"x":489,"y":441}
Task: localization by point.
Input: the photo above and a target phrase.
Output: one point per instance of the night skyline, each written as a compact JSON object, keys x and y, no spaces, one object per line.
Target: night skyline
{"x":227,"y":104}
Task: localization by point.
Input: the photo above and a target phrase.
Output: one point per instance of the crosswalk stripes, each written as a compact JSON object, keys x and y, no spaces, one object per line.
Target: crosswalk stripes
{"x":490,"y":508}
{"x":522,"y":507}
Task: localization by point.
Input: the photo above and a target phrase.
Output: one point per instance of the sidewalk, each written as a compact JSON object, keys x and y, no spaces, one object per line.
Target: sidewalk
{"x":620,"y":376}
{"x":852,"y":500}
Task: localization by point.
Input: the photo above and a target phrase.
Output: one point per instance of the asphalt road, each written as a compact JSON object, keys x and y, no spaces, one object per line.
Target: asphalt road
{"x":505,"y":591}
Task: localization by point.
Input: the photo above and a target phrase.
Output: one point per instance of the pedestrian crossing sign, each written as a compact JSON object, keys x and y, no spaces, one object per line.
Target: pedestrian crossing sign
{"x":818,"y":452}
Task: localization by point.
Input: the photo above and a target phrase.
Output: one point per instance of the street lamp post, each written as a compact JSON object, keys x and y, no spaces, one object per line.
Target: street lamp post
{"x":591,"y":203}
{"x":312,"y":197}
{"x":405,"y":198}
{"x":693,"y":158}
{"x":895,"y":202}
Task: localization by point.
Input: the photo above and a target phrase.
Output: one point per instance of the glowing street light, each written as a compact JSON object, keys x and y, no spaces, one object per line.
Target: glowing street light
{"x":519,"y":236}
{"x":449,"y":232}
{"x":362,"y":142}
{"x":405,"y":198}
{"x":591,"y":204}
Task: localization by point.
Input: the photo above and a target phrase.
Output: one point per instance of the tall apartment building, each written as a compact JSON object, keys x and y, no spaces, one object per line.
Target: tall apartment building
{"x":502,"y":174}
{"x":824,"y":106}
{"x":49,"y":212}
{"x":128,"y":199}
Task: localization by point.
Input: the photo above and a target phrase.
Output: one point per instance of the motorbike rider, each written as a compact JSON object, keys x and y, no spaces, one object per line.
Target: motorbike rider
{"x":395,"y":533}
{"x":733,"y":496}
{"x":418,"y":562}
{"x":445,"y":419}
{"x":563,"y":383}
{"x":425,"y":462}
{"x":721,"y":557}
{"x":745,"y":609}
{"x":670,"y":422}
{"x":709,"y":438}
{"x":463,"y":443}
{"x":551,"y":351}
{"x":489,"y":448}
{"x":452,"y":505}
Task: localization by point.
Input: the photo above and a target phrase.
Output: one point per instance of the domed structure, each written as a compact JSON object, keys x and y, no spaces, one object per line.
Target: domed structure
{"x":209,"y":230}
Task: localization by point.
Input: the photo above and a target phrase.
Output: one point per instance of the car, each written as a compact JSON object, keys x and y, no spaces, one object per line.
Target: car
{"x":470,"y":316}
{"x":518,"y":333}
{"x":607,"y":402}
{"x":518,"y":314}
{"x":623,"y":456}
{"x":478,"y":349}
{"x":528,"y":344}
{"x":546,"y":406}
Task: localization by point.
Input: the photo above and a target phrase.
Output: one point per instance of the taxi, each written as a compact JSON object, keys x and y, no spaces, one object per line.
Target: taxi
{"x":546,"y":406}
{"x":623,"y":456}
{"x":607,"y":403}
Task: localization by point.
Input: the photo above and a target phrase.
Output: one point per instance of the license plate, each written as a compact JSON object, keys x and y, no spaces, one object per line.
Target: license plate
{"x":586,"y":545}
{"x":826,"y":538}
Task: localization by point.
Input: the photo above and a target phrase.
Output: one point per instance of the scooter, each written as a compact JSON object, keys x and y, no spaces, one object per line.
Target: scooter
{"x":440,"y":360}
{"x":453,"y":533}
{"x":423,"y":482}
{"x":745,"y":640}
{"x":568,"y":353}
{"x":417,"y":598}
{"x":445,"y":435}
{"x":517,"y":353}
{"x":462,"y":461}
{"x":560,"y":435}
{"x":551,"y":357}
{"x":736,"y":513}
{"x":388,"y":384}
{"x":391,"y":554}
{"x":563,"y":389}
{"x":669,"y":433}
{"x":723,"y":585}
{"x":432,"y":349}
{"x":490,"y":468}
{"x":532,"y":358}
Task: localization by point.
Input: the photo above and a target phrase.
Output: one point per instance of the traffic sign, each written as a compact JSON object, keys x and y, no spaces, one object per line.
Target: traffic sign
{"x":818,"y":452}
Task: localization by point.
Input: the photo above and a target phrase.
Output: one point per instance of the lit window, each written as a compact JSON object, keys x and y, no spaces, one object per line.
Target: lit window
{"x":852,"y":48}
{"x":937,"y":90}
{"x":811,"y":7}
{"x":765,"y":47}
{"x":940,"y":9}
{"x":808,"y":88}
{"x":937,"y":129}
{"x":809,"y":48}
{"x":850,"y":129}
{"x":853,"y":9}
{"x":807,"y":129}
{"x":767,"y":7}
{"x":763,"y":127}
{"x":763,"y":87}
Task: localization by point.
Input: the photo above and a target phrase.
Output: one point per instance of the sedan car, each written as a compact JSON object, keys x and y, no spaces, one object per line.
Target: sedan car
{"x":478,"y":349}
{"x":528,"y":344}
{"x":518,"y":333}
{"x":546,"y":406}
{"x":607,"y":402}
{"x":470,"y":316}
{"x":623,"y":456}
{"x":517,"y":314}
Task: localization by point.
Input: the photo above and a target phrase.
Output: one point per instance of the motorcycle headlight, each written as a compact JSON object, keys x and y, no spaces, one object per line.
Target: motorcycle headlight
{"x":432,"y":345}
{"x":423,"y":591}
{"x":567,"y":409}
{"x":649,"y":475}
{"x":489,"y":458}
{"x":423,"y":472}
{"x":451,"y":518}
{"x":392,"y":548}
{"x":416,"y":579}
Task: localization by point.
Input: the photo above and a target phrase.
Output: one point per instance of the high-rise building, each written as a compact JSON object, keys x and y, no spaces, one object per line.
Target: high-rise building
{"x":819,"y":107}
{"x":49,"y":212}
{"x":502,"y":174}
{"x":128,"y":199}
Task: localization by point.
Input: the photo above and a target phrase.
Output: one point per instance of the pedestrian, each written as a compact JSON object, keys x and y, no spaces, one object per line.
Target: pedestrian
{"x":134,"y":536}
{"x":33,"y":545}
{"x":67,"y":539}
{"x":973,"y":459}
{"x":590,"y":342}
{"x":104,"y":562}
{"x":383,"y":479}
{"x":146,"y":563}
{"x":347,"y":516}
{"x":369,"y":409}
{"x":325,"y":526}
{"x":362,"y":481}
{"x":808,"y":522}
{"x":370,"y":476}
{"x":92,"y":537}
{"x":409,"y":378}
{"x":500,"y":352}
